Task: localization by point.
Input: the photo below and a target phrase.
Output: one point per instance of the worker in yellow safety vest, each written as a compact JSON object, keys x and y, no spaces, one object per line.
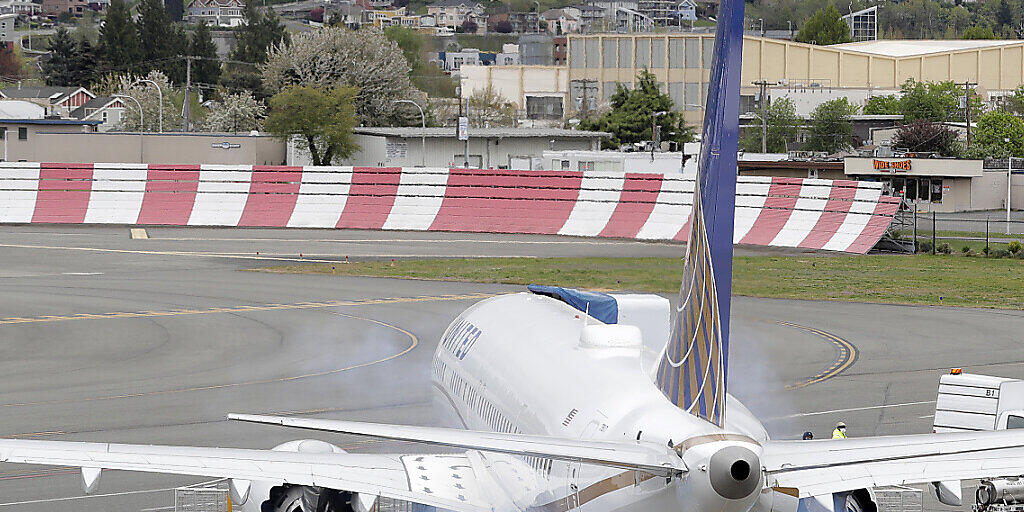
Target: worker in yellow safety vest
{"x":840,"y":431}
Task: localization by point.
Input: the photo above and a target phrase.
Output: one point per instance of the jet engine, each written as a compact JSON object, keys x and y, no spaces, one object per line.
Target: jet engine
{"x":996,"y":492}
{"x":722,"y":478}
{"x":267,"y":497}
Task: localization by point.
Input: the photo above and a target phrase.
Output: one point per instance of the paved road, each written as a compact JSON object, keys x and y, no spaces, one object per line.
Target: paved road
{"x":152,"y":341}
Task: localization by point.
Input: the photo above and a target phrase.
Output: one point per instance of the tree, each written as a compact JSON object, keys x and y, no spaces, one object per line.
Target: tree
{"x":240,"y":112}
{"x":426,"y":76}
{"x":929,"y":101}
{"x":205,"y":69}
{"x":884,"y":104}
{"x":825,"y":27}
{"x":321,"y":120}
{"x":501,"y":27}
{"x":12,"y":66}
{"x":999,"y":134}
{"x":335,"y":56}
{"x":60,"y":68}
{"x":119,"y":43}
{"x":1014,"y":103}
{"x":469,"y":26}
{"x":783,"y":126}
{"x":175,"y":9}
{"x":162,"y":43}
{"x":630,"y":119}
{"x":831,"y":126}
{"x":258,"y":33}
{"x":489,"y":109}
{"x":148,"y":96}
{"x":977,"y":32}
{"x":926,"y":136}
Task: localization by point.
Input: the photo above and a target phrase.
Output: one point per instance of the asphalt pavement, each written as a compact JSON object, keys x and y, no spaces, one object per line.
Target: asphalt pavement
{"x":110,"y":339}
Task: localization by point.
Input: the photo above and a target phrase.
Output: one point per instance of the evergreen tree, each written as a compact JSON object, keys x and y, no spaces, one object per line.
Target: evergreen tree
{"x":88,"y":59}
{"x":175,"y":9}
{"x":630,"y":120}
{"x":60,"y":66}
{"x":825,"y":27}
{"x":119,"y":43}
{"x":253,"y":39}
{"x":156,"y":36}
{"x":206,"y":69}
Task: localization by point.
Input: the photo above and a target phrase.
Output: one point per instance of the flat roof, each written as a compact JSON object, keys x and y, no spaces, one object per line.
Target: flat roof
{"x":440,"y":132}
{"x":77,"y":122}
{"x":913,"y":47}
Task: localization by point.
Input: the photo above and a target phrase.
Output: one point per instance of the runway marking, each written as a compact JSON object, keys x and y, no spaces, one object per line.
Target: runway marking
{"x":846,"y":356}
{"x":242,"y":308}
{"x":251,"y":256}
{"x":413,"y":343}
{"x":852,"y":409}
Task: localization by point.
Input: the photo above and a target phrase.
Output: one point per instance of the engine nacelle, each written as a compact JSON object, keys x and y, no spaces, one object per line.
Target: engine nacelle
{"x":260,"y":496}
{"x":1004,"y":490}
{"x":723,"y":477}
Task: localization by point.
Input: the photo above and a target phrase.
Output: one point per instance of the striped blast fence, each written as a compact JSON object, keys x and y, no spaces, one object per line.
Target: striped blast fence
{"x":836,"y":215}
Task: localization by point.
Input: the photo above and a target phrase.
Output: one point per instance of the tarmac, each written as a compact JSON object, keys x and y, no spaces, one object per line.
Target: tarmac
{"x":110,"y":339}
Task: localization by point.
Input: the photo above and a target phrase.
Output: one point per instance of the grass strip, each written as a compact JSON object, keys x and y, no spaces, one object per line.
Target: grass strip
{"x":891,"y":279}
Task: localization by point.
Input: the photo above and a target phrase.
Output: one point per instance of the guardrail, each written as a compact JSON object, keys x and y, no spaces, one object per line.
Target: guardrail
{"x":835,"y":215}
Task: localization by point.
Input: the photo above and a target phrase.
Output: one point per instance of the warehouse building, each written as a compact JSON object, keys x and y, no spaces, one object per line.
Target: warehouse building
{"x":809,"y":74}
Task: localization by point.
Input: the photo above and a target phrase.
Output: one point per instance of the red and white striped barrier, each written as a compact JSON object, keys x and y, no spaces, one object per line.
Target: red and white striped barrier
{"x":835,"y":215}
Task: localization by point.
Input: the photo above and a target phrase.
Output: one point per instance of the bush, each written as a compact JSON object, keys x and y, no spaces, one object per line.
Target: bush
{"x":1014,"y":247}
{"x":966,"y":250}
{"x":924,"y":246}
{"x":1000,"y":253}
{"x":944,"y":248}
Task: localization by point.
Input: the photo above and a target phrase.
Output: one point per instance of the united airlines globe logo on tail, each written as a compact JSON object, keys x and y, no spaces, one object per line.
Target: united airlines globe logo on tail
{"x":692,"y":371}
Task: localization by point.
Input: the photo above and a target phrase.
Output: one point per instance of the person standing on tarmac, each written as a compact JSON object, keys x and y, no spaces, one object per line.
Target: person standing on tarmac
{"x":840,"y":431}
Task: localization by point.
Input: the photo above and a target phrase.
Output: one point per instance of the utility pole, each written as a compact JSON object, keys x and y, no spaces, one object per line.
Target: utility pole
{"x":467,"y":134}
{"x":186,"y":110}
{"x":967,"y":109}
{"x":763,"y":84}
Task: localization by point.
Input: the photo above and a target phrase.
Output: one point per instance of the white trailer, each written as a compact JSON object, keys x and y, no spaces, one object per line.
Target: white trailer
{"x":972,"y":403}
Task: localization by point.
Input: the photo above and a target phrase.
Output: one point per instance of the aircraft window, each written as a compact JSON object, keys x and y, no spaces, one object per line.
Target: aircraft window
{"x":1014,"y":422}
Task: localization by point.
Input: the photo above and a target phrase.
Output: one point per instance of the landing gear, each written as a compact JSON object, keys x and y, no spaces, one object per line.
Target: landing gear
{"x":307,"y":499}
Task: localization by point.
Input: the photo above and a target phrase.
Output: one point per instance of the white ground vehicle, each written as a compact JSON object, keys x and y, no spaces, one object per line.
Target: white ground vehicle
{"x":972,"y":403}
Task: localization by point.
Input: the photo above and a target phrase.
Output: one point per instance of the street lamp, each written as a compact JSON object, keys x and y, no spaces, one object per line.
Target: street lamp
{"x":160,"y":96}
{"x":141,"y":138}
{"x":423,"y":121}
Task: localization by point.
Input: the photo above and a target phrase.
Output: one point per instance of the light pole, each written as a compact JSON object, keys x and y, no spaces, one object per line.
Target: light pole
{"x":160,"y":97}
{"x":423,"y":122}
{"x":654,"y":129}
{"x":141,"y":160}
{"x":1009,"y":187}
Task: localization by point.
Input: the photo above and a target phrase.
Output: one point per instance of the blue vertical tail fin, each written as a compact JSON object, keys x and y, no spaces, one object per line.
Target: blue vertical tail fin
{"x":694,"y":368}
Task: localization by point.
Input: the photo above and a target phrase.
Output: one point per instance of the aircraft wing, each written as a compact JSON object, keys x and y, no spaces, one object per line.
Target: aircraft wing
{"x":626,"y":454}
{"x":425,"y":479}
{"x":814,"y":468}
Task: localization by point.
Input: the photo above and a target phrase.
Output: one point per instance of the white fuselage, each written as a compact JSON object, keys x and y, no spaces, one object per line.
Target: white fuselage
{"x":515,"y":364}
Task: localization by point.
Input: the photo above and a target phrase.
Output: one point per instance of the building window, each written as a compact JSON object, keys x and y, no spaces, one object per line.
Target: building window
{"x":3,"y":133}
{"x":643,"y":53}
{"x":625,"y":52}
{"x":22,"y":133}
{"x":658,"y":53}
{"x":692,"y":52}
{"x":609,"y":50}
{"x":709,"y":51}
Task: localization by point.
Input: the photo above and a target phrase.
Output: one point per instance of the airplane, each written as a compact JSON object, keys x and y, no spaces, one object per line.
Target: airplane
{"x":568,"y":406}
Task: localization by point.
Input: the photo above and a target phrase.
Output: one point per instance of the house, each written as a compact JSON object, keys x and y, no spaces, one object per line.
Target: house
{"x":106,"y":109}
{"x":453,"y":61}
{"x":57,"y":101}
{"x":217,"y":13}
{"x":349,"y":13}
{"x":562,"y":21}
{"x":7,"y":34}
{"x":19,"y":7}
{"x":453,"y":13}
{"x":56,"y":7}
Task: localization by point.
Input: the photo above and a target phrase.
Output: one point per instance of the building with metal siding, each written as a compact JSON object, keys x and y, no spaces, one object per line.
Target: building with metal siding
{"x":681,"y":62}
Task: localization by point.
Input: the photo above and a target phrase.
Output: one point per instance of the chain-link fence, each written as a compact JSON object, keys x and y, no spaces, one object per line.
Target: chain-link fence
{"x":966,"y":232}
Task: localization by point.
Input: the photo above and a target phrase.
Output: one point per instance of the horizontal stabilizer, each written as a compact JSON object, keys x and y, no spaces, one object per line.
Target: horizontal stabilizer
{"x":627,"y":454}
